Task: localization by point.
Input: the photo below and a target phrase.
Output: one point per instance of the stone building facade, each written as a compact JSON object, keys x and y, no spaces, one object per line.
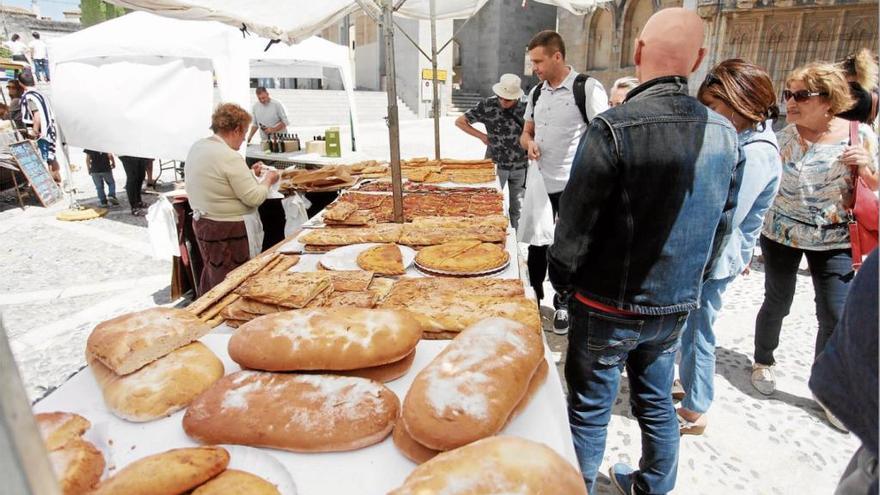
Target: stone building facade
{"x":776,"y":34}
{"x":24,"y":22}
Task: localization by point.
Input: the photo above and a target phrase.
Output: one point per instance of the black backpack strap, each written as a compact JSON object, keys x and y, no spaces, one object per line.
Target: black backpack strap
{"x":580,"y":97}
{"x":536,"y":93}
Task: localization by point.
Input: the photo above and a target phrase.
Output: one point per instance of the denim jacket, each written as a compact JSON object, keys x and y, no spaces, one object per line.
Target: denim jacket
{"x":650,"y":200}
{"x":756,"y":192}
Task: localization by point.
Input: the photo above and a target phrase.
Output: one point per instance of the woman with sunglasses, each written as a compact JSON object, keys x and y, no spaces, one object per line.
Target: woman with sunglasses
{"x":742,"y":92}
{"x":808,"y":217}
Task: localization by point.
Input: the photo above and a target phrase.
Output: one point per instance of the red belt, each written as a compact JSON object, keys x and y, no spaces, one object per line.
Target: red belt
{"x":602,"y":307}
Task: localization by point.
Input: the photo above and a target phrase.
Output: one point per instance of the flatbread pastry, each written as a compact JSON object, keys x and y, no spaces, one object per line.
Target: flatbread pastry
{"x":384,"y":259}
{"x":339,"y":211}
{"x":288,"y":289}
{"x":462,"y":257}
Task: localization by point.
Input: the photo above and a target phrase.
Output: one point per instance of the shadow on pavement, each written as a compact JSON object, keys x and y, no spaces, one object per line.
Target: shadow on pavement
{"x":735,"y":367}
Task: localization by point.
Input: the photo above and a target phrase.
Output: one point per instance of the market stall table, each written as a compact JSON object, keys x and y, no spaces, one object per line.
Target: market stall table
{"x":301,"y":158}
{"x":374,"y":470}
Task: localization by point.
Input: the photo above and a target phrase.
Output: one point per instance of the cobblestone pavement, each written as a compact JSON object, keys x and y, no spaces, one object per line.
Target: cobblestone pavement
{"x":61,"y":278}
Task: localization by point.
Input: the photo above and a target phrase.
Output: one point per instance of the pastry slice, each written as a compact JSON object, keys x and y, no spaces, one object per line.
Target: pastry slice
{"x":339,"y":211}
{"x":384,"y":259}
{"x":288,"y":289}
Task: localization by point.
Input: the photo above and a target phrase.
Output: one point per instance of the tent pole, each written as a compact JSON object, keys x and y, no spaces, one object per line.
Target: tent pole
{"x":435,"y":104}
{"x":393,"y":125}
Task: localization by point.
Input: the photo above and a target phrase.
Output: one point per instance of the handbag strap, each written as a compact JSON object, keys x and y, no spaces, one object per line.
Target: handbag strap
{"x":854,"y":140}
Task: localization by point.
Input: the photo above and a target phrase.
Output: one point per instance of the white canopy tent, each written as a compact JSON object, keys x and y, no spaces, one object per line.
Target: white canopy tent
{"x":143,"y":84}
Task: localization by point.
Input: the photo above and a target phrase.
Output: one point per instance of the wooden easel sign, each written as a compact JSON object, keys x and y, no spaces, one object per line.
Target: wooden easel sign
{"x":31,"y":164}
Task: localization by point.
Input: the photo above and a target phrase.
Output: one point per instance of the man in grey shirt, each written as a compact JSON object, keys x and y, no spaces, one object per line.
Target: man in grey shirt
{"x":269,"y":116}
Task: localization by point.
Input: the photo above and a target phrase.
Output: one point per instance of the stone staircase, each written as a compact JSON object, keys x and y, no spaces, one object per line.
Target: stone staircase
{"x":462,"y":102}
{"x":314,"y":107}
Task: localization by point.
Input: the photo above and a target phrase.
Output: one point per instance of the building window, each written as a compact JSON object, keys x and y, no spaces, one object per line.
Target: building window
{"x":601,"y":34}
{"x":739,"y":46}
{"x":811,"y":46}
{"x":859,"y":35}
{"x":773,"y":54}
{"x":637,"y":14}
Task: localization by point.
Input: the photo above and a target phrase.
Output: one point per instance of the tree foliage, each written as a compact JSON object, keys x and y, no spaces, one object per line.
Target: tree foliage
{"x":94,"y":11}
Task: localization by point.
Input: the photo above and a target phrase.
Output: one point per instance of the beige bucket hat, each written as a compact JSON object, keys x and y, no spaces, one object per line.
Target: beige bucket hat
{"x":508,"y":87}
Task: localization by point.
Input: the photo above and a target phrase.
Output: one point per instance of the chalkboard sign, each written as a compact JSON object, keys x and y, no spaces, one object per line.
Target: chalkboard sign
{"x":31,"y":164}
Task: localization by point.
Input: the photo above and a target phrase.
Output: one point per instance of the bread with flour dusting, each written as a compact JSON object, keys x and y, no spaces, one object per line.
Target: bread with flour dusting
{"x":131,"y":341}
{"x":325,"y":339}
{"x":471,"y":388}
{"x":508,"y":465}
{"x":300,"y":413}
{"x":160,"y":388}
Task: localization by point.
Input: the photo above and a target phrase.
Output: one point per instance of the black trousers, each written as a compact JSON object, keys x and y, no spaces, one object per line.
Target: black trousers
{"x":537,"y":261}
{"x":135,"y":173}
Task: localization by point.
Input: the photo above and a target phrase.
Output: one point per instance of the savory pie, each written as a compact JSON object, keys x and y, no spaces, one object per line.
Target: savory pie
{"x":360,"y":299}
{"x":350,"y":280}
{"x":355,"y":235}
{"x":497,"y":221}
{"x":357,"y":219}
{"x":451,"y":312}
{"x":462,"y":257}
{"x":418,"y":235}
{"x":384,"y":259}
{"x":288,"y":289}
{"x":339,"y":211}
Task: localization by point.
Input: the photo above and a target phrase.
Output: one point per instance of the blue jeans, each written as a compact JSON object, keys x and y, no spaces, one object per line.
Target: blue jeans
{"x":697,"y":366}
{"x":831,"y":272}
{"x":599,"y":346}
{"x":41,"y":66}
{"x":99,"y":178}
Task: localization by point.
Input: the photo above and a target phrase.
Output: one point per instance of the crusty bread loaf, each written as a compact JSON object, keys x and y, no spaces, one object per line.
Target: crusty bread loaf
{"x":160,"y":388}
{"x":496,"y":465}
{"x":470,"y":389}
{"x":59,"y":428}
{"x":78,"y":466}
{"x":169,"y":473}
{"x":301,"y":413}
{"x":131,"y":341}
{"x":418,"y":453}
{"x":234,"y":482}
{"x":342,"y":338}
{"x":382,"y":373}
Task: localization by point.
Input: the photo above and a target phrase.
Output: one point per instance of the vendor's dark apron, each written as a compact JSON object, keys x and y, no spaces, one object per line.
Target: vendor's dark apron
{"x":223,"y":246}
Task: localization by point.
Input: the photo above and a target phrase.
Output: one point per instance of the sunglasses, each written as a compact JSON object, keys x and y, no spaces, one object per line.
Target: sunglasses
{"x":711,"y":79}
{"x":800,"y":96}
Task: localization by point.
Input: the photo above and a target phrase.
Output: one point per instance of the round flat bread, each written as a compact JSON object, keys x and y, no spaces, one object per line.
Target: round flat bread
{"x":462,"y":257}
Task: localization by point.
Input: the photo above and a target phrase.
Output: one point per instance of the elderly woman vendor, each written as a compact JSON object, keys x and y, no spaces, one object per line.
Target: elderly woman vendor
{"x":224,"y":196}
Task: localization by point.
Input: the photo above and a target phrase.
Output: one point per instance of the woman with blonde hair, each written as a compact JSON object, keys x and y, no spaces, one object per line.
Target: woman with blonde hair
{"x":809,"y":215}
{"x":224,"y":195}
{"x":743,"y":93}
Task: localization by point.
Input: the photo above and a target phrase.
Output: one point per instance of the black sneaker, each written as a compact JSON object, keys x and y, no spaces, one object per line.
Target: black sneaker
{"x":103,"y":205}
{"x":560,"y":322}
{"x":114,"y":201}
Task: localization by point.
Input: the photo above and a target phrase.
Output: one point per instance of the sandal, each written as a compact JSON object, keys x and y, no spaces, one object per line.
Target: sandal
{"x":686,"y":427}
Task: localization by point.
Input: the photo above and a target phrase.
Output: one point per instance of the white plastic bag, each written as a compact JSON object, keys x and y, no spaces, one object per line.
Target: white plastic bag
{"x":254,"y":228}
{"x":295,"y":212}
{"x":536,"y":216}
{"x":162,"y":227}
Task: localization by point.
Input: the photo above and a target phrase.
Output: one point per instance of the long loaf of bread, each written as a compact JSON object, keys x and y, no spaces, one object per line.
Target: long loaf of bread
{"x":325,"y":339}
{"x":496,"y":465}
{"x":471,"y":388}
{"x":302,"y":413}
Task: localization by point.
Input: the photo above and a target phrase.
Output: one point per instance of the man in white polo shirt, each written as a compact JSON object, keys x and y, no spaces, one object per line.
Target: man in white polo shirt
{"x":557,"y":115}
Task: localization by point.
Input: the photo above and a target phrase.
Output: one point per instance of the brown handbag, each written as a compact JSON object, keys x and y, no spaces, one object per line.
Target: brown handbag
{"x":864,"y":215}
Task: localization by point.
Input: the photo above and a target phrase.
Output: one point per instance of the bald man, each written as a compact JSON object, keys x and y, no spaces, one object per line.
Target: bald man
{"x":652,"y":189}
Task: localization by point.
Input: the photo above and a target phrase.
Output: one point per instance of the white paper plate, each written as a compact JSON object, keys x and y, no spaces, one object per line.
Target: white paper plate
{"x":431,"y":271}
{"x":260,"y":463}
{"x":345,"y":257}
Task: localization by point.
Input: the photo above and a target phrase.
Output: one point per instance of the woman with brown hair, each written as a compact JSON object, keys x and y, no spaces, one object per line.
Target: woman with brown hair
{"x":862,"y":73}
{"x":809,"y":215}
{"x":224,"y":195}
{"x":742,"y":92}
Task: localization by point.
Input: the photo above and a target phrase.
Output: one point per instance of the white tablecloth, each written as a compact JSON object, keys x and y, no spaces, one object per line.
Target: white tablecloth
{"x":374,"y":470}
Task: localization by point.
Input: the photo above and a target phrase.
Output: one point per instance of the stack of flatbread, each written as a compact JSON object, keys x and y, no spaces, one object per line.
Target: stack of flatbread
{"x":344,"y":214}
{"x":326,"y":239}
{"x":462,"y":257}
{"x":432,"y":235}
{"x":324,"y":179}
{"x":445,"y":306}
{"x":276,"y":292}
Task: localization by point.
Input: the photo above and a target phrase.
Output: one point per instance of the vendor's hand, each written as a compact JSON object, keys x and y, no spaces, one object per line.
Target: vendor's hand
{"x":258,"y":168}
{"x":856,"y":156}
{"x":271,"y":177}
{"x":534,"y":151}
{"x":485,"y":139}
{"x":747,"y":270}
